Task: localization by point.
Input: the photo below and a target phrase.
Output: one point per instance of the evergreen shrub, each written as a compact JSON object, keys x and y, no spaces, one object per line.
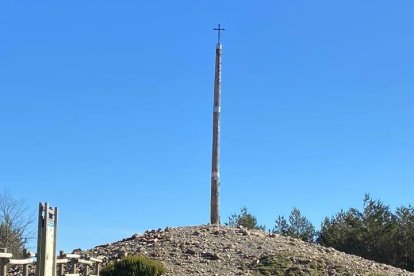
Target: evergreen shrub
{"x":134,"y":266}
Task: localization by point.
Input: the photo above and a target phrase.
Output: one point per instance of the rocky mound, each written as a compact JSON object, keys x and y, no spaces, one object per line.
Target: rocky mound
{"x":212,"y":250}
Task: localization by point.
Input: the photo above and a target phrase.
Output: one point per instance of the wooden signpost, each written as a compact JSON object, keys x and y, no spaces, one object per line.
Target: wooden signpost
{"x":47,"y":262}
{"x":46,"y":240}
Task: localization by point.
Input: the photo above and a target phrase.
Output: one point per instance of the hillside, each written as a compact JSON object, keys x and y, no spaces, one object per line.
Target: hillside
{"x":212,"y":250}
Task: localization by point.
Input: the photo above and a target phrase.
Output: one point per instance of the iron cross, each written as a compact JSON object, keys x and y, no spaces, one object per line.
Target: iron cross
{"x":219,"y":29}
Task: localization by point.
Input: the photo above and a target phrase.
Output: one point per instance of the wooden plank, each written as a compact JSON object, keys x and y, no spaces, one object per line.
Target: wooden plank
{"x":62,"y":261}
{"x":96,"y":260}
{"x":21,"y":262}
{"x":72,"y":256}
{"x":82,"y":261}
{"x":6,"y":255}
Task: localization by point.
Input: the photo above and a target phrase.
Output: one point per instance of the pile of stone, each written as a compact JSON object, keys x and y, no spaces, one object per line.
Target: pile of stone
{"x":212,"y":250}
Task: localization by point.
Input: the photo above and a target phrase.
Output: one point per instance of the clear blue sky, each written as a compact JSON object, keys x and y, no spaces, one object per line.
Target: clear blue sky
{"x":106,"y":109}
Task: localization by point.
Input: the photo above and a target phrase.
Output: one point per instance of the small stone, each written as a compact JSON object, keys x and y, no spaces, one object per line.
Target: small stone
{"x":246,"y":232}
{"x":210,"y":256}
{"x":190,"y":251}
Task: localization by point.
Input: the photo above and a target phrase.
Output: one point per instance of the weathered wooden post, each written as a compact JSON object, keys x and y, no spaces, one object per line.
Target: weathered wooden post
{"x":23,"y":262}
{"x":46,"y":240}
{"x":61,"y":269}
{"x":73,"y":260}
{"x":215,"y":165}
{"x":4,"y":260}
{"x":74,"y":266}
{"x":97,"y":268}
{"x":85,"y":264}
{"x":26,"y":254}
{"x":96,"y":264}
{"x":86,"y":269}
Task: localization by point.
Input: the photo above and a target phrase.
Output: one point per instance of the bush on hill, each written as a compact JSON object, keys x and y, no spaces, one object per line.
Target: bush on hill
{"x":134,"y":266}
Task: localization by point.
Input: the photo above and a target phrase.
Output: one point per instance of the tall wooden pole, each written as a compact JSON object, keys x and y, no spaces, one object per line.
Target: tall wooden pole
{"x":215,"y":164}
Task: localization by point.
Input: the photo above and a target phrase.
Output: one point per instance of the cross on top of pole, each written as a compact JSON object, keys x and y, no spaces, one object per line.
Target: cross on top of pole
{"x":219,"y":29}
